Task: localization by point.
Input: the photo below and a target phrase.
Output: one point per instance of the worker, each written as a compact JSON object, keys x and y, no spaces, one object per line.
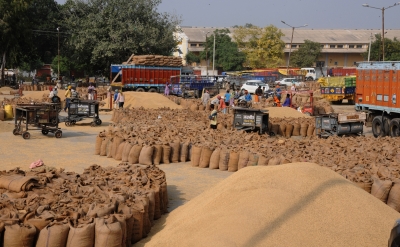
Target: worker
{"x":222,"y":106}
{"x":213,"y":117}
{"x":67,"y":98}
{"x":247,"y":97}
{"x":227,"y":97}
{"x":278,"y":91}
{"x":259,"y":93}
{"x":293,"y":88}
{"x":115,"y":99}
{"x":287,"y":101}
{"x":216,"y":100}
{"x":205,"y":98}
{"x":120,"y":100}
{"x":91,"y":92}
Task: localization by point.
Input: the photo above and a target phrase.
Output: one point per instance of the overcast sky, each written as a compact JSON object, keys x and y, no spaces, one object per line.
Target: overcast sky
{"x":318,"y":14}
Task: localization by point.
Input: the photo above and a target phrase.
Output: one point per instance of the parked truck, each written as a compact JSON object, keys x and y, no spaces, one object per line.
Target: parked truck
{"x":376,"y":95}
{"x":193,"y":85}
{"x":336,"y":89}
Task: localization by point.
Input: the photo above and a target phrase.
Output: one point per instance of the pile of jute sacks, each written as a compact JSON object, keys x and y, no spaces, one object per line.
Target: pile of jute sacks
{"x":112,"y":206}
{"x":166,"y":136}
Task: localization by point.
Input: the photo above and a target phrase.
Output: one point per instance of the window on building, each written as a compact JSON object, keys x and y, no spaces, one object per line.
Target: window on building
{"x":193,"y":45}
{"x":336,"y":63}
{"x":351,"y":46}
{"x":294,"y":46}
{"x":339,"y":46}
{"x":359,"y":46}
{"x":322,"y":46}
{"x":201,"y":45}
{"x":332,"y":46}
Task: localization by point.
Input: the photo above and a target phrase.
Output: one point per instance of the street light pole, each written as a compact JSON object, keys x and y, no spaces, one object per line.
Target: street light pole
{"x":383,"y":24}
{"x":214,"y":55}
{"x":58,"y":72}
{"x":290,"y":48}
{"x":369,"y":50}
{"x":206,"y":54}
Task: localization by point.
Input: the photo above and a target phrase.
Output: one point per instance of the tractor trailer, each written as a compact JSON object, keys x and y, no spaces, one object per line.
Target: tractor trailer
{"x":376,"y":95}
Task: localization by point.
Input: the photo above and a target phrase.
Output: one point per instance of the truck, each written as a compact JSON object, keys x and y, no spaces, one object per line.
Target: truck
{"x":193,"y":85}
{"x":336,"y":89}
{"x":376,"y":95}
{"x":142,"y":78}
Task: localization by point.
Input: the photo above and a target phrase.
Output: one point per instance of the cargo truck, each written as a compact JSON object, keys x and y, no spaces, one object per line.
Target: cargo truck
{"x":142,"y":78}
{"x":336,"y":89}
{"x":376,"y":95}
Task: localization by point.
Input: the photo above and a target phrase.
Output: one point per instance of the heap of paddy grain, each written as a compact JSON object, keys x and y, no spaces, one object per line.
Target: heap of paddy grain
{"x":156,"y":60}
{"x":113,"y":206}
{"x":163,"y":136}
{"x":289,"y":205}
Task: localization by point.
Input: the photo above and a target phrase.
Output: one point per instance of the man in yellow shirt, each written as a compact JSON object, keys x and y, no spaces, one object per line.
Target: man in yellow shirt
{"x":67,"y":98}
{"x":213,"y":117}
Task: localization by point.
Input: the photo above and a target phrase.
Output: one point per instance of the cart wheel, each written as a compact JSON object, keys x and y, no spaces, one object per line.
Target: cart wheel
{"x":26,"y":135}
{"x":93,"y":124}
{"x":67,"y":124}
{"x":15,"y":132}
{"x":45,"y":132}
{"x":58,"y":134}
{"x":98,"y":121}
{"x":271,"y":133}
{"x":73,"y":122}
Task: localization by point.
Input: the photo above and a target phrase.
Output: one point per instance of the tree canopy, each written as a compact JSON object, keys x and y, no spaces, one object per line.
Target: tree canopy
{"x":227,"y":55}
{"x":263,"y":46}
{"x":392,"y":49}
{"x":306,"y":55}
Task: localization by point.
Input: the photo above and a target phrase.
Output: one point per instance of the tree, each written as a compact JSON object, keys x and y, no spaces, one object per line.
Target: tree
{"x":65,"y":65}
{"x":192,"y":58}
{"x":392,"y":49}
{"x":263,"y":46}
{"x":306,"y":55}
{"x":227,"y":55}
{"x":105,"y":32}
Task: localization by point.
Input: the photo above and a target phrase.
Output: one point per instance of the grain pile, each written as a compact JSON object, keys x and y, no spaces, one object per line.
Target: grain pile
{"x":113,"y":206}
{"x":291,"y":205}
{"x":156,"y":60}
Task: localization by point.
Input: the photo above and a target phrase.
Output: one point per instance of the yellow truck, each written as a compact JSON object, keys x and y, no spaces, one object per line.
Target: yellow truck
{"x":336,"y":89}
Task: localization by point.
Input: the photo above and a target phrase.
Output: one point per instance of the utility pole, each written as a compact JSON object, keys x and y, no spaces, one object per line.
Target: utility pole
{"x":214,"y":55}
{"x":58,"y":72}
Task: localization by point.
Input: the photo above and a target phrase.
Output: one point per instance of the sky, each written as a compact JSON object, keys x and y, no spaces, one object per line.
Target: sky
{"x":317,"y":14}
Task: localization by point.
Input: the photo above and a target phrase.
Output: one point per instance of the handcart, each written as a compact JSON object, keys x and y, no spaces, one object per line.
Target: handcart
{"x":251,"y":119}
{"x":80,"y":109}
{"x":37,"y":116}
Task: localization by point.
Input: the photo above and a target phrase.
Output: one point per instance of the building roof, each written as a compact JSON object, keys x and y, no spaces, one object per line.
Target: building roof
{"x":323,"y":36}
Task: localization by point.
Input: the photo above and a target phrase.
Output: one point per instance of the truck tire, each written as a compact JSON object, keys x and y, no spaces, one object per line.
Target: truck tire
{"x":386,"y":125}
{"x":310,"y":78}
{"x":152,"y":90}
{"x":140,"y":90}
{"x":394,"y":127}
{"x":377,"y":127}
{"x":350,"y":102}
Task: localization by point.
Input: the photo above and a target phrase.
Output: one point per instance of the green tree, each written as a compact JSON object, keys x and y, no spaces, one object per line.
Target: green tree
{"x":392,"y":49}
{"x":263,"y":46}
{"x":306,"y":55}
{"x":65,"y":65}
{"x":105,"y":32}
{"x":227,"y":55}
{"x":192,"y":58}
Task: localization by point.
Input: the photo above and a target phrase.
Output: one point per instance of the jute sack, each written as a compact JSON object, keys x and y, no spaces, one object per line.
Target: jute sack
{"x":274,"y":161}
{"x":184,"y":153}
{"x":100,"y":210}
{"x":158,"y":201}
{"x":157,"y":154}
{"x":82,"y":235}
{"x":129,"y":221}
{"x":108,"y":232}
{"x":122,"y":221}
{"x":275,"y":128}
{"x":205,"y":157}
{"x":303,"y":129}
{"x":115,"y":145}
{"x":120,"y":150}
{"x":296,"y":129}
{"x":253,"y":159}
{"x":394,"y":196}
{"x":223,"y":159}
{"x":134,"y":153}
{"x":103,"y":151}
{"x":233,"y":161}
{"x":166,"y":154}
{"x":214,"y":159}
{"x":146,"y":155}
{"x":196,"y":154}
{"x":365,"y":184}
{"x":282,"y":129}
{"x":310,"y":130}
{"x":381,"y":188}
{"x":138,"y":214}
{"x":289,"y":129}
{"x":18,"y":235}
{"x":97,"y":147}
{"x":243,"y":159}
{"x":55,"y":234}
{"x":109,"y":147}
{"x":152,"y":204}
{"x":125,"y":153}
{"x":262,"y":160}
{"x":175,"y":148}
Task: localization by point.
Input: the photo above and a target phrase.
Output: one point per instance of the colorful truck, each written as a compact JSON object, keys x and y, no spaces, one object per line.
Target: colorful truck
{"x":376,"y":95}
{"x":336,"y":89}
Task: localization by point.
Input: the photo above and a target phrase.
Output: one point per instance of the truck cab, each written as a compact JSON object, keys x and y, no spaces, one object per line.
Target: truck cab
{"x":310,"y":74}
